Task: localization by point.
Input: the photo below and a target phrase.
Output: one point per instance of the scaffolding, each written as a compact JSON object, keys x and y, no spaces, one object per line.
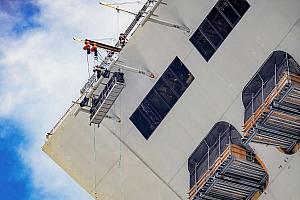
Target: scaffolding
{"x":102,"y":104}
{"x":112,"y":55}
{"x":272,"y":103}
{"x":222,"y":167}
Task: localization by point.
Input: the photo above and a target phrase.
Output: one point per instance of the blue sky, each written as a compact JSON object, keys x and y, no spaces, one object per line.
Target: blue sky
{"x":41,"y":73}
{"x":14,"y":176}
{"x":21,"y":15}
{"x":19,"y":22}
{"x":15,"y":180}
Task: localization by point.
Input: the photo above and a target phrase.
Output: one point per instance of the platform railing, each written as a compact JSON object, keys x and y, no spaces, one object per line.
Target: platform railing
{"x":214,"y":157}
{"x":231,"y":150}
{"x":267,"y":86}
{"x":116,"y":78}
{"x":272,"y":116}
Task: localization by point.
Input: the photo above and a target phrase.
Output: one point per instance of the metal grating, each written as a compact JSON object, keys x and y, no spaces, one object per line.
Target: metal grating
{"x":107,"y":97}
{"x":236,"y":176}
{"x":277,"y":122}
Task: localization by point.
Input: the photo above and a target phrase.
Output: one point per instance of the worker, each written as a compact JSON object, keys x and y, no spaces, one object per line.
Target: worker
{"x":94,"y":50}
{"x":122,"y":40}
{"x":101,"y":71}
{"x":87,"y":47}
{"x":48,"y":135}
{"x":98,"y":70}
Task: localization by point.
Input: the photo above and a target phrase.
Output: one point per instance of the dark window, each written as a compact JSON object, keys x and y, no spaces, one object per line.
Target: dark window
{"x":147,"y":109}
{"x":161,"y":98}
{"x":217,"y":25}
{"x":241,"y":6}
{"x":158,"y":103}
{"x":174,"y":82}
{"x":202,"y":45}
{"x":181,"y":72}
{"x":211,"y":33}
{"x":166,"y":92}
{"x":142,"y":123}
{"x":228,"y":11}
{"x":219,"y":22}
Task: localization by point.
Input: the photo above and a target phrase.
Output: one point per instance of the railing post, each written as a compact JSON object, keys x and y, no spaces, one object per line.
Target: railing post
{"x":287,"y":62}
{"x":275,"y":76}
{"x":219,"y":145}
{"x":208,"y":151}
{"x":195,"y":174}
{"x":208,"y":157}
{"x":288,"y":66}
{"x":252,"y":108}
{"x":229,"y":138}
{"x":262,"y":89}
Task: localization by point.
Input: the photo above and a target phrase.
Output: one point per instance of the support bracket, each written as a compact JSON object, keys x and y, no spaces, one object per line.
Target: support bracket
{"x":161,"y":22}
{"x":169,"y":24}
{"x":112,"y":117}
{"x":134,"y":70}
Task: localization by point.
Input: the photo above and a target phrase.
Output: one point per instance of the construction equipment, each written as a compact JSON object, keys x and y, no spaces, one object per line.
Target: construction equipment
{"x":148,"y":16}
{"x":272,"y":103}
{"x":222,"y":167}
{"x":98,"y":44}
{"x":110,"y":60}
{"x":102,"y":104}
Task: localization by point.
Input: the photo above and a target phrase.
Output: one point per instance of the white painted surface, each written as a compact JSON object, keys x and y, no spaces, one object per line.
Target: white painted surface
{"x":157,"y":168}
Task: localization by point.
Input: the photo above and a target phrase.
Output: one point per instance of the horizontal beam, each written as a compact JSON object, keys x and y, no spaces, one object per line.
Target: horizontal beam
{"x":169,"y":24}
{"x":98,"y":44}
{"x":135,"y":70}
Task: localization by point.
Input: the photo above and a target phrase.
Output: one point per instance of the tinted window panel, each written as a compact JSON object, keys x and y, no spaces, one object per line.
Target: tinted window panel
{"x":219,"y":22}
{"x":164,"y":91}
{"x":143,"y":124}
{"x":228,"y":11}
{"x":211,"y":34}
{"x":180,"y":70}
{"x":174,"y":82}
{"x":241,"y":6}
{"x":217,"y":26}
{"x":202,"y":45}
{"x":147,"y":109}
{"x":158,"y":104}
{"x":161,"y":98}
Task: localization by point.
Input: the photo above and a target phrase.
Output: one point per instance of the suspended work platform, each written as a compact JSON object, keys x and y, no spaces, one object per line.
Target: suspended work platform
{"x":222,"y":167}
{"x":102,"y":104}
{"x":272,"y":104}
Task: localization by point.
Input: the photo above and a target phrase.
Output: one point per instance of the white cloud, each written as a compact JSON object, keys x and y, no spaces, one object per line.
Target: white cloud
{"x":42,"y":71}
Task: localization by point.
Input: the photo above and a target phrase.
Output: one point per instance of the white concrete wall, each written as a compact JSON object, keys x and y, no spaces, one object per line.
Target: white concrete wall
{"x":157,"y":168}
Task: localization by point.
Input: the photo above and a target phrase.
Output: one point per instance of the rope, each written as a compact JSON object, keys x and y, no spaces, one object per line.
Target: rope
{"x":118,"y":24}
{"x":100,"y":57}
{"x":120,"y":150}
{"x":95,"y":162}
{"x":121,"y":174}
{"x":88,"y":64}
{"x":120,"y":128}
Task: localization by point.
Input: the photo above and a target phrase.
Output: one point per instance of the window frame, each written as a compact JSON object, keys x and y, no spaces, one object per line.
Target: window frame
{"x":151,"y":110}
{"x":197,"y":37}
